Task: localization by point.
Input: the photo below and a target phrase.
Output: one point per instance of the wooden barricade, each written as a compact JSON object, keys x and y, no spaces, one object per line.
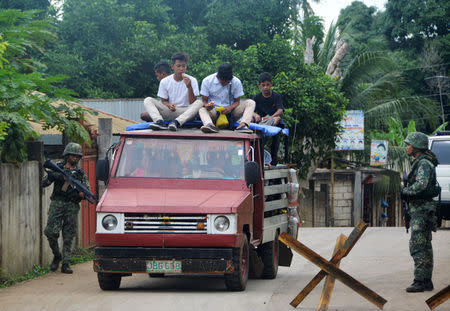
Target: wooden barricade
{"x":438,"y":298}
{"x":330,"y":269}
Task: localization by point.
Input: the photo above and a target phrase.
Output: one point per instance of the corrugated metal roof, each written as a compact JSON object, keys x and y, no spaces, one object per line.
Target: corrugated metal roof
{"x":128,"y":108}
{"x":119,"y":124}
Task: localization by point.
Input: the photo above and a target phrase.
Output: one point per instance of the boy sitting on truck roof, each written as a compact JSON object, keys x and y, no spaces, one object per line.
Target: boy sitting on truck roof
{"x":224,"y":89}
{"x":268,"y":111}
{"x":162,"y":70}
{"x":178,"y":94}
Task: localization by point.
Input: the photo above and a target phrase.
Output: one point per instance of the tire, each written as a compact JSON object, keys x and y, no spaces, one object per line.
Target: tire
{"x":270,"y":255}
{"x":108,"y":281}
{"x":237,"y":280}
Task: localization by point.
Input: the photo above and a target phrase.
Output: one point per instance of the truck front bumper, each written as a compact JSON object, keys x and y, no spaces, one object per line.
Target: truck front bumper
{"x":136,"y":259}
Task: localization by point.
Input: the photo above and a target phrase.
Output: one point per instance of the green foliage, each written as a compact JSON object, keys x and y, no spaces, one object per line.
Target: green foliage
{"x":7,"y":280}
{"x":326,"y":51}
{"x":372,"y":84}
{"x":275,"y":56}
{"x":25,"y":93}
{"x":25,"y":4}
{"x":314,"y":109}
{"x":310,"y":26}
{"x":358,"y":24}
{"x":235,"y":23}
{"x":409,"y":22}
{"x":81,"y":254}
{"x":108,"y":47}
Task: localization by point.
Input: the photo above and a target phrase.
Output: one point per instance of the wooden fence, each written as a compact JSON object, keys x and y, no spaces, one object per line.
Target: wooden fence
{"x":23,"y":217}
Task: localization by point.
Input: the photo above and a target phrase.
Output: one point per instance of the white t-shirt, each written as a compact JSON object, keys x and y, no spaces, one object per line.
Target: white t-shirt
{"x":219,"y":94}
{"x":176,"y":92}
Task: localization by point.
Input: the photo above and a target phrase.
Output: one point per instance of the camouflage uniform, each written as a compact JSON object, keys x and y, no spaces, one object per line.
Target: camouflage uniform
{"x":419,"y":192}
{"x":64,"y":207}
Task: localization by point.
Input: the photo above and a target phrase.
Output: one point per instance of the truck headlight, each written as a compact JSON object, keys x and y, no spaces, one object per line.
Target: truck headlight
{"x":221,"y":223}
{"x":109,"y":222}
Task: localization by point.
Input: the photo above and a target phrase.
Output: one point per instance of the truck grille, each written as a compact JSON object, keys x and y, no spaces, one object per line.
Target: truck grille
{"x":153,"y":223}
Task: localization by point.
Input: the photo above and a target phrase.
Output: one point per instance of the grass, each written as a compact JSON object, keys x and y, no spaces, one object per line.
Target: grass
{"x":7,"y":280}
{"x":79,"y":255}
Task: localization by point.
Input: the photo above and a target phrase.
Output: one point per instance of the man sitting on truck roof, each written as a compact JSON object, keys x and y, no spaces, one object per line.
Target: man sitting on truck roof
{"x":162,"y":70}
{"x":268,"y":111}
{"x":224,"y":89}
{"x":178,"y":94}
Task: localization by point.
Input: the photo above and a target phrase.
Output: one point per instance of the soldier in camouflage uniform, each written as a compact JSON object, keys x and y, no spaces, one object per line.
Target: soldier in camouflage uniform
{"x":64,"y":206}
{"x":420,"y":189}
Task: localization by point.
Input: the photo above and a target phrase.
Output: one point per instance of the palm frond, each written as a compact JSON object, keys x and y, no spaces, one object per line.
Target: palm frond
{"x":363,"y":65}
{"x":415,"y":106}
{"x":327,"y":49}
{"x":364,"y":95}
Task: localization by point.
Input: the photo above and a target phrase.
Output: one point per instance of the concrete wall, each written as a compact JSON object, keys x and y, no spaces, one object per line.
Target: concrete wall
{"x":23,"y":217}
{"x":343,"y":199}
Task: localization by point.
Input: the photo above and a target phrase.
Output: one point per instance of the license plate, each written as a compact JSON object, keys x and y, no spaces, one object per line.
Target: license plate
{"x":164,"y":266}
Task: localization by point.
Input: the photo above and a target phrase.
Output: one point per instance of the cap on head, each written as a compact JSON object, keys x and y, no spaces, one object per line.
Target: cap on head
{"x":417,"y":140}
{"x":73,"y":148}
{"x":225,"y":72}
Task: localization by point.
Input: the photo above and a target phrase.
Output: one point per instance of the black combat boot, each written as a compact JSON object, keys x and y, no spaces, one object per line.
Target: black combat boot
{"x":55,"y":263}
{"x":427,"y":284}
{"x":65,"y":268}
{"x":415,"y":287}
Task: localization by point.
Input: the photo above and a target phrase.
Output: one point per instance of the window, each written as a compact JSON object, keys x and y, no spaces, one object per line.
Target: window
{"x":441,"y":148}
{"x":181,"y":158}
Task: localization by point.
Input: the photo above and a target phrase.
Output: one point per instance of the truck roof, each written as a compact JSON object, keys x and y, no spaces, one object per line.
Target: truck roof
{"x":183,"y":133}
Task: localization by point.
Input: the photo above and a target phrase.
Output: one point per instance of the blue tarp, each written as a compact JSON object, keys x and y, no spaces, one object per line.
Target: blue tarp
{"x":267,"y":130}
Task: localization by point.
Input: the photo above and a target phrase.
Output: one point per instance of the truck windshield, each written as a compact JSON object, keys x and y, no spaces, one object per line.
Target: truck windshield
{"x":441,"y":149}
{"x":181,"y":158}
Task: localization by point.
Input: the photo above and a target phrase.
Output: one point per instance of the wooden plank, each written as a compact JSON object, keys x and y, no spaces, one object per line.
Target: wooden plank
{"x":276,"y":204}
{"x":274,"y":189}
{"x":272,"y":174}
{"x":327,"y":290}
{"x":348,"y":245}
{"x":331,"y":269}
{"x":438,"y":298}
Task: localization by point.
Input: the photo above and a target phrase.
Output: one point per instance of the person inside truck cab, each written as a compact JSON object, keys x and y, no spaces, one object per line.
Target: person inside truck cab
{"x":224,"y":89}
{"x":178,"y":93}
{"x":162,"y":70}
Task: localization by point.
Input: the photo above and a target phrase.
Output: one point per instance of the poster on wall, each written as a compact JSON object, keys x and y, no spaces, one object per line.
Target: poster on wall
{"x":352,"y":135}
{"x":378,"y":152}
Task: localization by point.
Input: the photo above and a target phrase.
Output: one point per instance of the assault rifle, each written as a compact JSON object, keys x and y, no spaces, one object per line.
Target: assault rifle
{"x":406,"y":214}
{"x":71,"y":181}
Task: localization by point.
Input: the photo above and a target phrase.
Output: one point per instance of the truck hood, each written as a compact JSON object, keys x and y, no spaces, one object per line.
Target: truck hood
{"x":145,"y":200}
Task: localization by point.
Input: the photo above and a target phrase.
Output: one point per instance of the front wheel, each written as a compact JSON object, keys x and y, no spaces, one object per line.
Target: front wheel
{"x":237,"y":280}
{"x":109,"y":281}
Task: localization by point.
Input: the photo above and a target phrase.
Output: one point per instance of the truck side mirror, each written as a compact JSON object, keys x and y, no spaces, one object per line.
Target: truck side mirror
{"x":102,"y":169}
{"x":252,"y":172}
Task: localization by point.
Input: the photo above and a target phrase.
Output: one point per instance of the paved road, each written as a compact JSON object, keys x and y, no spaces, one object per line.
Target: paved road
{"x":380,"y":260}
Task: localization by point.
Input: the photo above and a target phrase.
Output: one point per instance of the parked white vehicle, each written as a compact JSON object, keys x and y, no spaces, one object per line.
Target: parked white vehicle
{"x":440,"y":145}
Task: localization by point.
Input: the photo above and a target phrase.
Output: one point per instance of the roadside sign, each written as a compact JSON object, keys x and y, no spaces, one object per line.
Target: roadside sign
{"x":352,"y":134}
{"x":378,"y":152}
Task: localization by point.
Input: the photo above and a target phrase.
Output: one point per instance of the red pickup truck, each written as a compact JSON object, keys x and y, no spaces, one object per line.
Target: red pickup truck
{"x":186,"y":202}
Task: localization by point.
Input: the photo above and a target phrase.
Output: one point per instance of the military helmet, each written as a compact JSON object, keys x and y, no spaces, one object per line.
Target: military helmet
{"x":417,"y":140}
{"x":73,"y":148}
